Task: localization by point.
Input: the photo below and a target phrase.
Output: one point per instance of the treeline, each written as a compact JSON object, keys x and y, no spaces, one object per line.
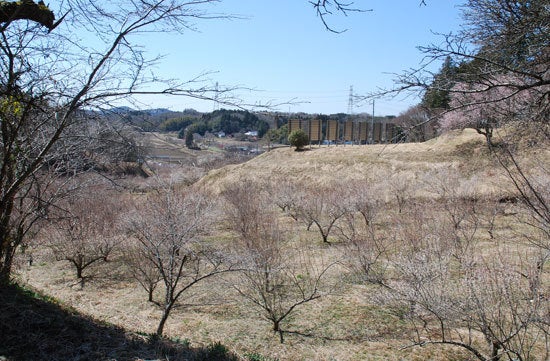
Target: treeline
{"x":164,"y":120}
{"x":155,"y":120}
{"x":226,"y":121}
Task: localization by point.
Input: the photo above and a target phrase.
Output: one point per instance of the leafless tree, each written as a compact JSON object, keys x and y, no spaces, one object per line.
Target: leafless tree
{"x":322,"y":207}
{"x":457,"y":198}
{"x":278,"y":280}
{"x":248,"y":207}
{"x":495,"y":297}
{"x":86,"y":232}
{"x":532,"y":186}
{"x":326,"y":8}
{"x":402,"y":187}
{"x":286,"y":195}
{"x":414,"y":123}
{"x":145,"y":273}
{"x":366,"y":246}
{"x":167,"y":229}
{"x":49,"y":75}
{"x":275,"y":277}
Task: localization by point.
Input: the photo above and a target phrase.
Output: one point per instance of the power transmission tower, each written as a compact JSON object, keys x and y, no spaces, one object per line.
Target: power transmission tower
{"x":350,"y":100}
{"x":216,"y":94}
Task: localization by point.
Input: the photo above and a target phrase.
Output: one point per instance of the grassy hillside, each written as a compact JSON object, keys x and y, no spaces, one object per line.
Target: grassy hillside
{"x":464,"y":152}
{"x":444,"y":177}
{"x":35,"y":327}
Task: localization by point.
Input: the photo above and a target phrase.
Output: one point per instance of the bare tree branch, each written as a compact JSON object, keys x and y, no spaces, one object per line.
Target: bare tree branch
{"x":325,"y":8}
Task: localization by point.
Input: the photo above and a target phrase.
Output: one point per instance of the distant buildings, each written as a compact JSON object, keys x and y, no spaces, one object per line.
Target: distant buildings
{"x":354,"y":131}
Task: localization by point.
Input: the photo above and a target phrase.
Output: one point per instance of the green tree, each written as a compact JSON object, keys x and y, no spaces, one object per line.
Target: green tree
{"x":176,"y":124}
{"x":283,"y":131}
{"x":189,"y":137}
{"x":438,"y":94}
{"x":298,"y":138}
{"x":277,"y":135}
{"x":262,"y":127}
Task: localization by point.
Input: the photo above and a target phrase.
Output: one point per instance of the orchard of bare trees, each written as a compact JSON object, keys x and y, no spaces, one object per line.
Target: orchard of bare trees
{"x":418,"y":255}
{"x":456,"y":267}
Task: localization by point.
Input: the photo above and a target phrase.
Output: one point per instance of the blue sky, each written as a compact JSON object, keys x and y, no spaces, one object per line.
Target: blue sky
{"x":282,"y":50}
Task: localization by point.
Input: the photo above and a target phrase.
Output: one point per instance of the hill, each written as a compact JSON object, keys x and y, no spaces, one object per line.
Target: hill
{"x":452,"y":216}
{"x":37,"y":327}
{"x":464,"y":152}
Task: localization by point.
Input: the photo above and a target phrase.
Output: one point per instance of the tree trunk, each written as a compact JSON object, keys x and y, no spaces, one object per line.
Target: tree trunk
{"x":79,"y":272}
{"x":495,"y":348}
{"x":277,"y":329}
{"x":5,"y":271}
{"x":165,"y":314}
{"x":8,"y":243}
{"x":7,"y":251}
{"x":323,"y":233}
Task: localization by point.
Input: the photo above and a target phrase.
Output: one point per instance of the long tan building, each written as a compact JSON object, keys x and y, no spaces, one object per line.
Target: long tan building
{"x":348,"y":131}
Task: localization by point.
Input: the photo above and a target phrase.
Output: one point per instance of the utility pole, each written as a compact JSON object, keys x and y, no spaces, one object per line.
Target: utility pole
{"x":355,"y":126}
{"x":372,"y":125}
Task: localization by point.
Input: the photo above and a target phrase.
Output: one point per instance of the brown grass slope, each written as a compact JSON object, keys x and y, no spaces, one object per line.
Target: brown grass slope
{"x":344,"y":326}
{"x":35,"y":327}
{"x":463,"y":152}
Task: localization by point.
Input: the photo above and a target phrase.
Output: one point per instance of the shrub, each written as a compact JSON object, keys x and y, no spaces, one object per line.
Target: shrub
{"x":298,"y":138}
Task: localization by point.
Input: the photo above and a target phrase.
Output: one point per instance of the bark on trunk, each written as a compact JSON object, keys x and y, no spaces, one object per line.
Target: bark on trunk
{"x":165,"y":314}
{"x":6,"y":260}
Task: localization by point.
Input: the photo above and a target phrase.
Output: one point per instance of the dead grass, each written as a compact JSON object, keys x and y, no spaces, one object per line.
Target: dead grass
{"x":344,"y":325}
{"x":341,"y":326}
{"x":37,"y":327}
{"x":375,"y":163}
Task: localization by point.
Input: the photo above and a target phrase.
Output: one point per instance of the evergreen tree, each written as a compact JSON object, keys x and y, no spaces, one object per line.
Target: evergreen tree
{"x":438,"y":94}
{"x":298,"y":138}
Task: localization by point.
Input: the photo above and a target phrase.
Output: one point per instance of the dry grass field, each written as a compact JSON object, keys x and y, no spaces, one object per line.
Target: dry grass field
{"x":348,"y":322}
{"x":461,"y":152}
